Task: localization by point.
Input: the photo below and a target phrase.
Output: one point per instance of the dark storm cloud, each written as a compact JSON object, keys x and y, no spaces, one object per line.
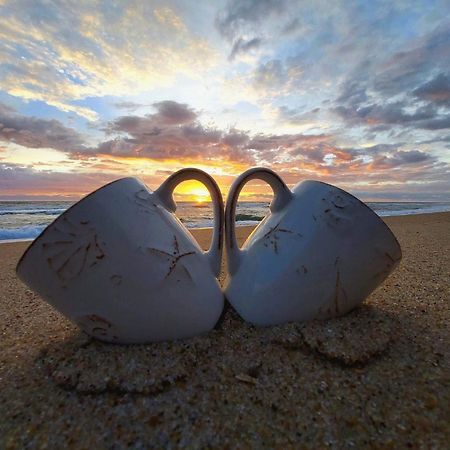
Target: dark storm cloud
{"x":33,"y":132}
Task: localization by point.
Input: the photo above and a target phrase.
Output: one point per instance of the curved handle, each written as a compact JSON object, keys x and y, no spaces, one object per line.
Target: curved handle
{"x":282,"y":196}
{"x":165,"y":194}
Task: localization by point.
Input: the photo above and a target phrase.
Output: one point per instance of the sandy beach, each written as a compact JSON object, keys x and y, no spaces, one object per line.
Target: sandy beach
{"x":376,"y":378}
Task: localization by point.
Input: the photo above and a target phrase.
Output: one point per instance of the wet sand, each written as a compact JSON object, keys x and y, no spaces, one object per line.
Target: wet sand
{"x":376,"y":378}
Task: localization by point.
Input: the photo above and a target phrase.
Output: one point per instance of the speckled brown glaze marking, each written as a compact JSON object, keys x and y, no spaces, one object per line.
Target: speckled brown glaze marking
{"x":173,"y":257}
{"x":271,"y":237}
{"x":70,"y":257}
{"x":337,"y":210}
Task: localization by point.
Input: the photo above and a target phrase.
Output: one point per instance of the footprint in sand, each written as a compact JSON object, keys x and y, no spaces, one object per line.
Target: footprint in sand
{"x":352,"y":339}
{"x":92,"y":367}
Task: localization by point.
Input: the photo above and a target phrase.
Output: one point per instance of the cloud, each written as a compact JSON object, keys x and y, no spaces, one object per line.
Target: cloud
{"x":240,"y":15}
{"x":426,"y":117}
{"x":168,"y":113}
{"x":33,"y":132}
{"x":270,"y":74}
{"x":407,"y":68}
{"x":187,"y":142}
{"x":295,"y":155}
{"x":131,"y":106}
{"x":61,"y":54}
{"x":297,"y":116}
{"x":392,"y":174}
{"x":359,"y":64}
{"x":401,"y":158}
{"x":175,"y":133}
{"x":293,"y":26}
{"x":387,"y":92}
{"x":241,"y":46}
{"x":436,"y":90}
{"x":24,"y":181}
{"x":174,"y":113}
{"x":240,"y":22}
{"x":17,"y":180}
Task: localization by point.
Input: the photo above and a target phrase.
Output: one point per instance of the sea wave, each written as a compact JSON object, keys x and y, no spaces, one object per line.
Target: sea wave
{"x":409,"y":209}
{"x":26,"y":232}
{"x":199,"y":224}
{"x":247,"y":217}
{"x":210,"y":224}
{"x":47,"y":212}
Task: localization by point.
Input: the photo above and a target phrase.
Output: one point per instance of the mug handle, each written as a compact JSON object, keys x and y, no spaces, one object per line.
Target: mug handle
{"x":165,"y":194}
{"x":282,"y":196}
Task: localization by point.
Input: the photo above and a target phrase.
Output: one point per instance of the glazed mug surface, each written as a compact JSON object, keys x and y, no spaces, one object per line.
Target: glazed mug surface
{"x":122,"y":266}
{"x":318,"y":253}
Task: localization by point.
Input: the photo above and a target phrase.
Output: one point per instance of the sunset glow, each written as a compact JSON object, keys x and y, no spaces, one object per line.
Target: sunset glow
{"x":193,"y":191}
{"x":357,"y":97}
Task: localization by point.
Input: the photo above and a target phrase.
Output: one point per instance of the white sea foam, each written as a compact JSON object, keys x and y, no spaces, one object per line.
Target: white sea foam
{"x":26,"y":232}
{"x":47,"y":212}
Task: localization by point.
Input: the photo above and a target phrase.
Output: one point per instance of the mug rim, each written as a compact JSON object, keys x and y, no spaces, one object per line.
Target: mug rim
{"x":363,"y":204}
{"x":41,"y":234}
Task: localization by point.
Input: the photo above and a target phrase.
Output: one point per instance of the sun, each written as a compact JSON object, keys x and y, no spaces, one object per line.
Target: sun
{"x":193,"y":191}
{"x":199,"y":195}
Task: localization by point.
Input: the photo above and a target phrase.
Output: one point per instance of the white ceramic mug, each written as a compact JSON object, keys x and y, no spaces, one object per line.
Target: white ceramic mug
{"x":317,"y":254}
{"x":120,"y":264}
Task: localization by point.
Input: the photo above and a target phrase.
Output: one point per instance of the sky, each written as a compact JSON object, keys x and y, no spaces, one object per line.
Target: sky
{"x":353,"y":93}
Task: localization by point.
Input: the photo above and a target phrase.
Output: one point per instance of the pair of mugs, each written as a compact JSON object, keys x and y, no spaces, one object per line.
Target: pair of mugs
{"x":122,"y":266}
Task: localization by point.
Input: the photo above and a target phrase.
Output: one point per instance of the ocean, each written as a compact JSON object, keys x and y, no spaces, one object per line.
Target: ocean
{"x":22,"y":220}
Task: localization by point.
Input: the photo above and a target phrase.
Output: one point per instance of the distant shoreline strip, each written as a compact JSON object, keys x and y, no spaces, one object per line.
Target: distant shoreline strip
{"x":239,"y":224}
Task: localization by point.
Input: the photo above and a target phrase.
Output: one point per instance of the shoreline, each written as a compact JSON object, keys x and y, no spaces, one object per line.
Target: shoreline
{"x":200,"y":229}
{"x":374,"y":378}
